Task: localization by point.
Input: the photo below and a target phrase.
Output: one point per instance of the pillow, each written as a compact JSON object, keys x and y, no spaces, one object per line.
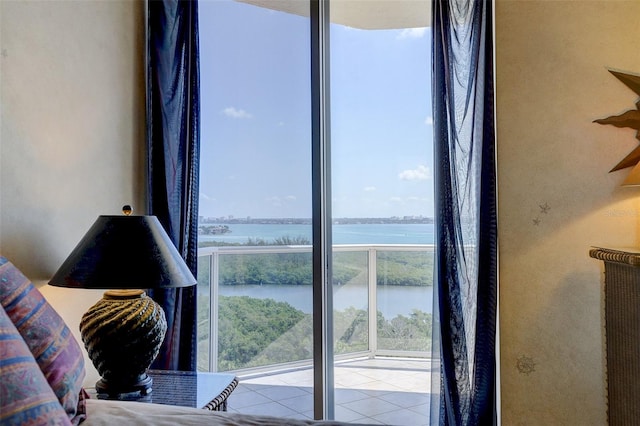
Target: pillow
{"x":25,"y":395}
{"x":53,"y":346}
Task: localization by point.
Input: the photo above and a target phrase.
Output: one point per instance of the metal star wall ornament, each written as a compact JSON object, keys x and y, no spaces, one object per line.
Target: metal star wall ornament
{"x":629,"y":119}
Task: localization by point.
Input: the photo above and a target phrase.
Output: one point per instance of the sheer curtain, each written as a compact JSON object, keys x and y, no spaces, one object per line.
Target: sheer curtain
{"x":466,"y":224}
{"x":173,"y":145}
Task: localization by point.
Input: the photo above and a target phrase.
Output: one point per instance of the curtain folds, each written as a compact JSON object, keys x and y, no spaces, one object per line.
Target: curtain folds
{"x":466,"y":219}
{"x":173,"y":144}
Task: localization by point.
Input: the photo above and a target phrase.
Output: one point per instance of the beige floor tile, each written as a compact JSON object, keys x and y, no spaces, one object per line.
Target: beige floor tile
{"x":371,"y":391}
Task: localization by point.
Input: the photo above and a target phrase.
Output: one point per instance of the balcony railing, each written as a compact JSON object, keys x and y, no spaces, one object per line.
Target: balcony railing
{"x":254,"y":304}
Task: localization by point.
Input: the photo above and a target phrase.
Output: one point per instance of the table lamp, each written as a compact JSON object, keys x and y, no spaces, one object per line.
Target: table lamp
{"x":122,"y":333}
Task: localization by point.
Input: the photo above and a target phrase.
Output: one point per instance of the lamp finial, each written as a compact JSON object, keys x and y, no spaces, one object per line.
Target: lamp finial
{"x":127,"y":210}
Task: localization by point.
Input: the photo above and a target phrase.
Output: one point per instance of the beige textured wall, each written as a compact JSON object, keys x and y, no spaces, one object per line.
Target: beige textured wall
{"x":556,"y":198}
{"x":72,"y":123}
{"x":72,"y":130}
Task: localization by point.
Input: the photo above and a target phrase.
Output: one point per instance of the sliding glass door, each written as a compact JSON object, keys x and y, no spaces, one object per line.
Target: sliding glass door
{"x":255,"y":293}
{"x":316,"y":231}
{"x":382,"y":212}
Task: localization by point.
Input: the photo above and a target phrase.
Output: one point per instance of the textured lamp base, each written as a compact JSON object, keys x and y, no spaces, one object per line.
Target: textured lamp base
{"x":122,"y":334}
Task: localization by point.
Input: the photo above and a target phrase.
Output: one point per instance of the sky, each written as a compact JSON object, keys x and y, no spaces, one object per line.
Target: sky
{"x":256,"y":117}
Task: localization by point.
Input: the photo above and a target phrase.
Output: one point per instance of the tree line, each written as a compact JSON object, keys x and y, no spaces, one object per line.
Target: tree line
{"x":402,"y":268}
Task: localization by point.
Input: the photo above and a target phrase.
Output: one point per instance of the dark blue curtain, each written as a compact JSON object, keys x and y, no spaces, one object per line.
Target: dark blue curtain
{"x":466,"y":224}
{"x":173,"y":145}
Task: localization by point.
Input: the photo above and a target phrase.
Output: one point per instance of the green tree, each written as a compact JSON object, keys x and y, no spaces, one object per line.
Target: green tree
{"x":247,"y":326}
{"x":257,"y":332}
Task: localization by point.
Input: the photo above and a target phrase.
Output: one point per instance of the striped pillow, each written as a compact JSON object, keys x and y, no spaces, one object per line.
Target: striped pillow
{"x":25,"y":396}
{"x":49,"y":339}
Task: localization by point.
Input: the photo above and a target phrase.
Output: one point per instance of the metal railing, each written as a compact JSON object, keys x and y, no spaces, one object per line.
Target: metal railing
{"x":210,"y":260}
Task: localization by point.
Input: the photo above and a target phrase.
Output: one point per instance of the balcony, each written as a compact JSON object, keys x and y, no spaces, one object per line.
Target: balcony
{"x":382,"y":300}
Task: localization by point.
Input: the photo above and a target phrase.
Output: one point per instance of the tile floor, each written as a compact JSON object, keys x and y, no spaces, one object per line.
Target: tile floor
{"x":388,"y":391}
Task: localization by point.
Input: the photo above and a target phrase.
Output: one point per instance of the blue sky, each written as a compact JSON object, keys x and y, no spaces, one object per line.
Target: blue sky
{"x":256,"y":125}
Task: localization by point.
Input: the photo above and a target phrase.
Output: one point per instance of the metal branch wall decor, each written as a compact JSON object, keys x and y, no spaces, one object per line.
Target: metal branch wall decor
{"x":629,"y":119}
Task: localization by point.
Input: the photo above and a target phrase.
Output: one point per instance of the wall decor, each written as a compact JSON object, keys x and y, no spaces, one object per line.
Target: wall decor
{"x":526,"y":365}
{"x":628,"y":119}
{"x":544,"y":209}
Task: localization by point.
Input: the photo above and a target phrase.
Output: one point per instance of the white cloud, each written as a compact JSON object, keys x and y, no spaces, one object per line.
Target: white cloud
{"x":419,"y":173}
{"x":369,"y":188}
{"x":428,"y":121}
{"x":236,"y":113}
{"x":274,"y":201}
{"x":205,"y":197}
{"x":278,"y":201}
{"x":396,"y":199}
{"x":411,"y":33}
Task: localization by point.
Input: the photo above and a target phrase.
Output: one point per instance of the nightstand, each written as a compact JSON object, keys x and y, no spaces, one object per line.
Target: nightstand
{"x":189,"y":389}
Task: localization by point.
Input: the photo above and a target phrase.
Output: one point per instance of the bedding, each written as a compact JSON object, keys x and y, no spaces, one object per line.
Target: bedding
{"x":27,"y":398}
{"x":48,"y":338}
{"x":108,"y":413}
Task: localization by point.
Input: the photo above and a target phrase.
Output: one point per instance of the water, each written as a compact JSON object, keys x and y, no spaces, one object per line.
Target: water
{"x":392,"y":300}
{"x":386,"y":233}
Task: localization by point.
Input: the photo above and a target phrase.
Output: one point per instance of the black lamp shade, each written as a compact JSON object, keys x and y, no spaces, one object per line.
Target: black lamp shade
{"x":124,"y":252}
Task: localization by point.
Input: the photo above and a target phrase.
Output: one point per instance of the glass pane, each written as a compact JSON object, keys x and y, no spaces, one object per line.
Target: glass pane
{"x":204,"y":313}
{"x":405,"y":300}
{"x":255,"y":203}
{"x":351,"y":300}
{"x":382,"y":205}
{"x":265,"y":309}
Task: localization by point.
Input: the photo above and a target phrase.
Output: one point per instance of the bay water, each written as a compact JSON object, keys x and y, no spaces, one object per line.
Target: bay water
{"x":391,"y":300}
{"x":365,"y":233}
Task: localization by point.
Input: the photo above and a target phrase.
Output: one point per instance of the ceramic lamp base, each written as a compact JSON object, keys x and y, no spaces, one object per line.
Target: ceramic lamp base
{"x":122,"y":334}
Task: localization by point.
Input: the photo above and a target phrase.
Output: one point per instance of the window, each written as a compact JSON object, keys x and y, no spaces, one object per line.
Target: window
{"x":255,"y":180}
{"x":255,"y":262}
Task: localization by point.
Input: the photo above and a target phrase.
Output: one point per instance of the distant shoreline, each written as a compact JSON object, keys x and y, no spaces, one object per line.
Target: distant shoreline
{"x":308,"y":221}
